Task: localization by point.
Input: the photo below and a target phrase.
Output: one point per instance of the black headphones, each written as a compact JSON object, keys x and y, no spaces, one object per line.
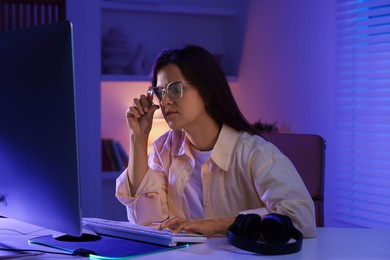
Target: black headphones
{"x":274,"y":230}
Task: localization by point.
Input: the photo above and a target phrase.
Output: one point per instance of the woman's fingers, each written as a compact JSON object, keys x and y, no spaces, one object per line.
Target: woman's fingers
{"x":132,"y":111}
{"x":144,"y":103}
{"x":140,"y":114}
{"x":207,"y":227}
{"x":177,"y":225}
{"x":137,"y":105}
{"x":186,"y":226}
{"x":171,"y":223}
{"x":140,"y":107}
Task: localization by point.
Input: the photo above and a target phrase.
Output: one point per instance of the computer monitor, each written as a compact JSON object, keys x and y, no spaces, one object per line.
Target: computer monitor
{"x":39,"y":168}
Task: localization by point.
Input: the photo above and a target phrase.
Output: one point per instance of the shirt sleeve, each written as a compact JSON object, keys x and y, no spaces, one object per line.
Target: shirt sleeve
{"x":282,"y":191}
{"x":149,"y":204}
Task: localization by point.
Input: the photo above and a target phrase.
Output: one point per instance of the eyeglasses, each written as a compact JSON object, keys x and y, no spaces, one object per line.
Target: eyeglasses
{"x":174,"y":91}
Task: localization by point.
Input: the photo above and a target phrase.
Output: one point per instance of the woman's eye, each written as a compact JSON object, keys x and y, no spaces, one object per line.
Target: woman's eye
{"x":176,"y":89}
{"x":159,"y":92}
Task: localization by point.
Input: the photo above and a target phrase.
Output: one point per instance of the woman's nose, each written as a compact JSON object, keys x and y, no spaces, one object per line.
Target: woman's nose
{"x":165,"y":100}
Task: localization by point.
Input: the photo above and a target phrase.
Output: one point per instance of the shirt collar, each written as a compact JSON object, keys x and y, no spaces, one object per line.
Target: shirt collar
{"x":224,"y":147}
{"x":223,"y":150}
{"x":184,"y":146}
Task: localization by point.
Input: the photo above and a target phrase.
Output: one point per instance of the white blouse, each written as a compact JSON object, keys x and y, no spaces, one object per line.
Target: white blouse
{"x":243,"y":174}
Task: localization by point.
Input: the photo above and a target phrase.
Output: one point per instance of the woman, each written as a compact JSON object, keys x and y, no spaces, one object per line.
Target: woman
{"x":212,"y":165}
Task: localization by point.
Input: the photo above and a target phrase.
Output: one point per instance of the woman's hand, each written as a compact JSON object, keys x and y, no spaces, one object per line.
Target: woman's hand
{"x":140,"y":115}
{"x":207,"y":227}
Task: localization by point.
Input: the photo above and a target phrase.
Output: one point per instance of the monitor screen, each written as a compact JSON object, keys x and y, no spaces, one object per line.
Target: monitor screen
{"x":39,"y":168}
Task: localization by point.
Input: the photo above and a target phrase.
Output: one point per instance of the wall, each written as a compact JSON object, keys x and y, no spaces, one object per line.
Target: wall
{"x":286,"y":72}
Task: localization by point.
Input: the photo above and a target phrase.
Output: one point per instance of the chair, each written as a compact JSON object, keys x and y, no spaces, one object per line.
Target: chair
{"x":307,"y":153}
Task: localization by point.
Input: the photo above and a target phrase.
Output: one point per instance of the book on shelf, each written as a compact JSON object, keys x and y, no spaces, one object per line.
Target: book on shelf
{"x":114,"y":156}
{"x":123,"y":155}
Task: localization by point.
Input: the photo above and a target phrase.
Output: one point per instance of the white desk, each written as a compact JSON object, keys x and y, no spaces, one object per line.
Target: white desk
{"x":331,"y":243}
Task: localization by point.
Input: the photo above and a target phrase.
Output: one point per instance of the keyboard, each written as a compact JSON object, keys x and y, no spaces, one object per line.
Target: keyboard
{"x":127,"y":230}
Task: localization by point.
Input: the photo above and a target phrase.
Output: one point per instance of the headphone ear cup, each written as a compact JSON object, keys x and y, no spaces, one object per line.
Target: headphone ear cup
{"x":275,"y":231}
{"x":276,"y":228}
{"x":247,"y":226}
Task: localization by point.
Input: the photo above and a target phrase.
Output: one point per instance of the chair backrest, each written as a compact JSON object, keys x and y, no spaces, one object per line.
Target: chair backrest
{"x":307,"y":153}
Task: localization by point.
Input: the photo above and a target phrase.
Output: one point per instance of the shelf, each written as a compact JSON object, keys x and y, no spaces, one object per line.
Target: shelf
{"x":167,"y":8}
{"x":124,"y":78}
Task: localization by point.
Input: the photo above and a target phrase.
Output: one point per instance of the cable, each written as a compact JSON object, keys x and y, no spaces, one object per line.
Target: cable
{"x":19,"y":232}
{"x":32,"y":250}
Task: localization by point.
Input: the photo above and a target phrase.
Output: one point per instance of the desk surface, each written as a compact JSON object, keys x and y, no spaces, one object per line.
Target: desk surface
{"x":331,"y":243}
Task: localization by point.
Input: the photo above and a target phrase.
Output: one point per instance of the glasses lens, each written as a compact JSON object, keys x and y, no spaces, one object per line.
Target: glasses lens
{"x":159,"y":92}
{"x":175,"y":90}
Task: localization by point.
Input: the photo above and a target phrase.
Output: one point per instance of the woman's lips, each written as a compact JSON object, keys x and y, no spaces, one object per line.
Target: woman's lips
{"x":168,"y":113}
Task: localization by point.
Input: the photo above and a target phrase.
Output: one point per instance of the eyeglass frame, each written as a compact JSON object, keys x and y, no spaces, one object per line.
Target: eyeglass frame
{"x":152,"y":90}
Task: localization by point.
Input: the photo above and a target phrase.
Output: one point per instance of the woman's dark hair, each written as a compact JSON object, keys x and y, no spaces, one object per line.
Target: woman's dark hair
{"x":200,"y":68}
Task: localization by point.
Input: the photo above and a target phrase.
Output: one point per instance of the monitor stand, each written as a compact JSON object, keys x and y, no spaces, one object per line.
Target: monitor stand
{"x":87,"y":235}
